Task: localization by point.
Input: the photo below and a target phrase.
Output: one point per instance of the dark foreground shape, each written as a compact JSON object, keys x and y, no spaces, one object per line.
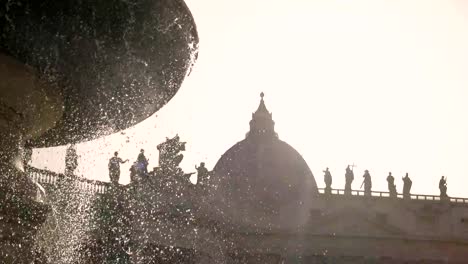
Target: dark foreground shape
{"x":114,"y":63}
{"x":21,"y":219}
{"x":75,"y":70}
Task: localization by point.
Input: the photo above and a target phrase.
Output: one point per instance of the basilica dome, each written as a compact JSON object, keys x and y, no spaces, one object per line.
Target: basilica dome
{"x":261,"y":181}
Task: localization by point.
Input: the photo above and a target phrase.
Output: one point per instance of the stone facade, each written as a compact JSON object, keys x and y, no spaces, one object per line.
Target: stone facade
{"x":165,"y":220}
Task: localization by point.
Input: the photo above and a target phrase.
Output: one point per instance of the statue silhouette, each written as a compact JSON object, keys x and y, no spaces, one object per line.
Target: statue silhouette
{"x":202,"y":174}
{"x":407,"y":183}
{"x":328,"y":181}
{"x":391,"y":185}
{"x":443,"y":187}
{"x":114,"y":167}
{"x":367,"y":183}
{"x":142,"y":162}
{"x":349,"y":179}
{"x":71,"y":160}
{"x":134,"y":177}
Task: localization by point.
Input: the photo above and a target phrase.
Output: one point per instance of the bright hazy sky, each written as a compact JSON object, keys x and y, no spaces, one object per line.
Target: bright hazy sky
{"x":382,"y":84}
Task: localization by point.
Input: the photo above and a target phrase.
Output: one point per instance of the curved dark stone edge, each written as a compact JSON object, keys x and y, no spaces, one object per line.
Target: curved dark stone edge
{"x":77,"y":124}
{"x":56,"y":136}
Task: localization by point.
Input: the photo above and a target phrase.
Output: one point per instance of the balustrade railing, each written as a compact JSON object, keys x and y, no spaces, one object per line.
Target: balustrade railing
{"x":46,"y":177}
{"x":51,"y":178}
{"x":420,"y":197}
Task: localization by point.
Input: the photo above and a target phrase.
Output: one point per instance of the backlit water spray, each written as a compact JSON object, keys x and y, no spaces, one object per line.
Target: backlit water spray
{"x":68,"y":225}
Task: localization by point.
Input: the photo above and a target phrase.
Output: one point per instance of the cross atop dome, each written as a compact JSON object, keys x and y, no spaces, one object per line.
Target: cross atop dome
{"x":262,"y":110}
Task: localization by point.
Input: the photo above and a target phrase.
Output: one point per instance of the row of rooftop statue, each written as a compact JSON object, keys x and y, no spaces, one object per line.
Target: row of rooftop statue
{"x":170,"y":157}
{"x":367,"y":183}
{"x":139,"y":167}
{"x":169,"y":160}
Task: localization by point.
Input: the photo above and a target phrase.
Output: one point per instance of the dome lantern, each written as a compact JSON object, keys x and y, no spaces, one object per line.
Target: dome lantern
{"x":262,"y":124}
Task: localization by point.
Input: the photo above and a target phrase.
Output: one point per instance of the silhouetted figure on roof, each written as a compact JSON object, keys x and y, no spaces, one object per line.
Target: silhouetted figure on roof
{"x":114,"y":167}
{"x":349,"y":179}
{"x":367,"y":183}
{"x":407,"y":183}
{"x":443,"y":187}
{"x":142,"y":162}
{"x":71,"y":160}
{"x":27,"y":156}
{"x":327,"y":178}
{"x":134,"y":172}
{"x":391,"y":185}
{"x":202,"y":174}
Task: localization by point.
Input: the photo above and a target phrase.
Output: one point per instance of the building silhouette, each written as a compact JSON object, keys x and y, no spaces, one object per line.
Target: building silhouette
{"x":261,"y":204}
